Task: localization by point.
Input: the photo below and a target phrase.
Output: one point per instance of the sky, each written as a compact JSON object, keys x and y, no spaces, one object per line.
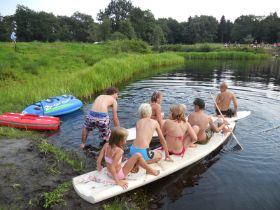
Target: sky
{"x":180,"y":10}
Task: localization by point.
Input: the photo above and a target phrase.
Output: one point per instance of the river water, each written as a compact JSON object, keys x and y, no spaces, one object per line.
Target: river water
{"x":230,"y":178}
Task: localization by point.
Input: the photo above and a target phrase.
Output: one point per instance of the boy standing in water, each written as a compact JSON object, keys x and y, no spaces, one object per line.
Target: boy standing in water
{"x":98,"y":117}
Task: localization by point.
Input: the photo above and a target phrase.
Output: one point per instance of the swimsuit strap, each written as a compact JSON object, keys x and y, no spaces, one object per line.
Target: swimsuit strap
{"x":108,"y":159}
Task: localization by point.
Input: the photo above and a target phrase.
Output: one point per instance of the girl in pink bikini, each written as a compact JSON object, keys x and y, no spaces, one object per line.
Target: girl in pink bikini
{"x":175,"y":130}
{"x":112,"y":153}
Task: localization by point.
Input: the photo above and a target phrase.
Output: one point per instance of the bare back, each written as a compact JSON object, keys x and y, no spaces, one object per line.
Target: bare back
{"x":200,"y":119}
{"x":102,"y":103}
{"x":224,"y":99}
{"x":174,"y":133}
{"x":145,"y":129}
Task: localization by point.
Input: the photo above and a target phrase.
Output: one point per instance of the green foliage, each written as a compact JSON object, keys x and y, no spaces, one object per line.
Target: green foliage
{"x":60,"y":155}
{"x":17,"y":133}
{"x":56,"y":196}
{"x":224,"y":55}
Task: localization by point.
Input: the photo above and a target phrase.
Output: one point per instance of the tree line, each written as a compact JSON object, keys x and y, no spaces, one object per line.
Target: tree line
{"x":121,"y":20}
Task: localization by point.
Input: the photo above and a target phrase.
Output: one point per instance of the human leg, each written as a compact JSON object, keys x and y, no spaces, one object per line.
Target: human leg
{"x":136,"y":160}
{"x":188,"y":140}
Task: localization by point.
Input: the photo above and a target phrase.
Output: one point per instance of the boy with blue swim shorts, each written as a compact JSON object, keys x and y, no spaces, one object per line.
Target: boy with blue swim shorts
{"x":145,"y":128}
{"x":98,"y":117}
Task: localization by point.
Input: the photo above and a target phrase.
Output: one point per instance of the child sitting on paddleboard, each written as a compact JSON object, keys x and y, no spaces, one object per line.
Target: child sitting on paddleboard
{"x":176,"y":129}
{"x":145,"y":128}
{"x":112,"y":153}
{"x":156,"y":108}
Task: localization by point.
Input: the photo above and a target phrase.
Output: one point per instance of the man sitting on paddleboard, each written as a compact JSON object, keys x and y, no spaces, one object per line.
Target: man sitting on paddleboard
{"x":223,"y":101}
{"x":204,"y":122}
{"x":145,"y":127}
{"x":98,"y":117}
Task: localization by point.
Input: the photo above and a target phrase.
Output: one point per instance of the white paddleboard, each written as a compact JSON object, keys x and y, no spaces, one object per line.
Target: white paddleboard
{"x":240,"y":115}
{"x":96,"y":186}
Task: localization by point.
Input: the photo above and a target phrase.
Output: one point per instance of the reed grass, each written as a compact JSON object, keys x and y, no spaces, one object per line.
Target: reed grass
{"x":78,"y":69}
{"x":224,"y":55}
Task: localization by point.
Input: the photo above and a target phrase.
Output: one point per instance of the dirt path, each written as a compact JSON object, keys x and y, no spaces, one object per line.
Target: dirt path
{"x":25,"y":174}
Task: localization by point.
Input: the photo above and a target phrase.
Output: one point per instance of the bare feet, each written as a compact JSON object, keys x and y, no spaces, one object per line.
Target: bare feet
{"x":153,"y":172}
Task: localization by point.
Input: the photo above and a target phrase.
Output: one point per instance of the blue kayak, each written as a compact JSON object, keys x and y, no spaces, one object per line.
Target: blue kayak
{"x":54,"y":106}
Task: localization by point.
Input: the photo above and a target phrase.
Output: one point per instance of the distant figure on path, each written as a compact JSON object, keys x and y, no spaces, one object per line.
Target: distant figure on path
{"x":14,"y":38}
{"x":98,"y":117}
{"x":224,"y":100}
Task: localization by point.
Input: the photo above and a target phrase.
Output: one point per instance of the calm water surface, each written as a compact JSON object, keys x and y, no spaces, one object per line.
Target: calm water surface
{"x":229,"y":178}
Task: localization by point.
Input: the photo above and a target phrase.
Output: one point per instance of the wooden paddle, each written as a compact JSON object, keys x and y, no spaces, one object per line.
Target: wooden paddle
{"x":225,"y":121}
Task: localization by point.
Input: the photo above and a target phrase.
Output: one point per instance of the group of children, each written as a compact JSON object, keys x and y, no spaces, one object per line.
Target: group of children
{"x":176,"y":133}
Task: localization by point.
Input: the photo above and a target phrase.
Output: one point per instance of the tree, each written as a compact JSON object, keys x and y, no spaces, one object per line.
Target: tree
{"x":244,"y":27}
{"x":81,"y":26}
{"x":104,"y":30}
{"x":6,"y":27}
{"x":172,"y":30}
{"x":201,"y":29}
{"x":127,"y":29}
{"x":116,"y":11}
{"x":145,"y":26}
{"x":222,"y":29}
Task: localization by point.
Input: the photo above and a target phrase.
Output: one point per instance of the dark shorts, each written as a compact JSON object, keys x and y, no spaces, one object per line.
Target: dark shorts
{"x":98,"y":120}
{"x":146,"y":153}
{"x":209,"y":133}
{"x":227,"y":113}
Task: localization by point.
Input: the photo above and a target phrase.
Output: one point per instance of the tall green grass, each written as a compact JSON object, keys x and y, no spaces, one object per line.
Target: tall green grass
{"x":39,"y":70}
{"x":224,"y":55}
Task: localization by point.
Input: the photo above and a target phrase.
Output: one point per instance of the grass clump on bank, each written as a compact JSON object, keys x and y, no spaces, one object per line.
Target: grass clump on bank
{"x":17,"y":134}
{"x":56,"y":196}
{"x":60,"y":155}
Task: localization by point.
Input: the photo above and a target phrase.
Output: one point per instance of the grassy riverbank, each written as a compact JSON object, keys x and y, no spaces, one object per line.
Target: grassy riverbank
{"x":38,"y":70}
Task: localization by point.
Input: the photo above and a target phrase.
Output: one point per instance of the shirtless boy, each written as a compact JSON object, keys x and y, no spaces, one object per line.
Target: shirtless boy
{"x":223,"y":101}
{"x":206,"y":126}
{"x":145,"y":127}
{"x":156,"y":108}
{"x":98,"y":117}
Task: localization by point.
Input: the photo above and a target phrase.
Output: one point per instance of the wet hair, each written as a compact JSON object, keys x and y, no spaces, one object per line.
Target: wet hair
{"x":178,"y":112}
{"x":118,"y":137}
{"x":224,"y":85}
{"x":145,"y":110}
{"x":155,"y":96}
{"x":112,"y":90}
{"x":199,"y":102}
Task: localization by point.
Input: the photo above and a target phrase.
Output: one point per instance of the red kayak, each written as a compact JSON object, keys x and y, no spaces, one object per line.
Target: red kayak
{"x":29,"y":121}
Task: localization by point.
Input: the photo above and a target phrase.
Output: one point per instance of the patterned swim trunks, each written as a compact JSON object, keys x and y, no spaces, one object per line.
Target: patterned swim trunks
{"x":98,"y":120}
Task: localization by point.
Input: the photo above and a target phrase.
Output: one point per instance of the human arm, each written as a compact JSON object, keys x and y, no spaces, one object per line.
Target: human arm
{"x":100,"y":157}
{"x":191,"y":132}
{"x":115,"y":166}
{"x":115,"y":114}
{"x":214,"y":127}
{"x":235,"y":104}
{"x":159,"y":115}
{"x":162,"y":141}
